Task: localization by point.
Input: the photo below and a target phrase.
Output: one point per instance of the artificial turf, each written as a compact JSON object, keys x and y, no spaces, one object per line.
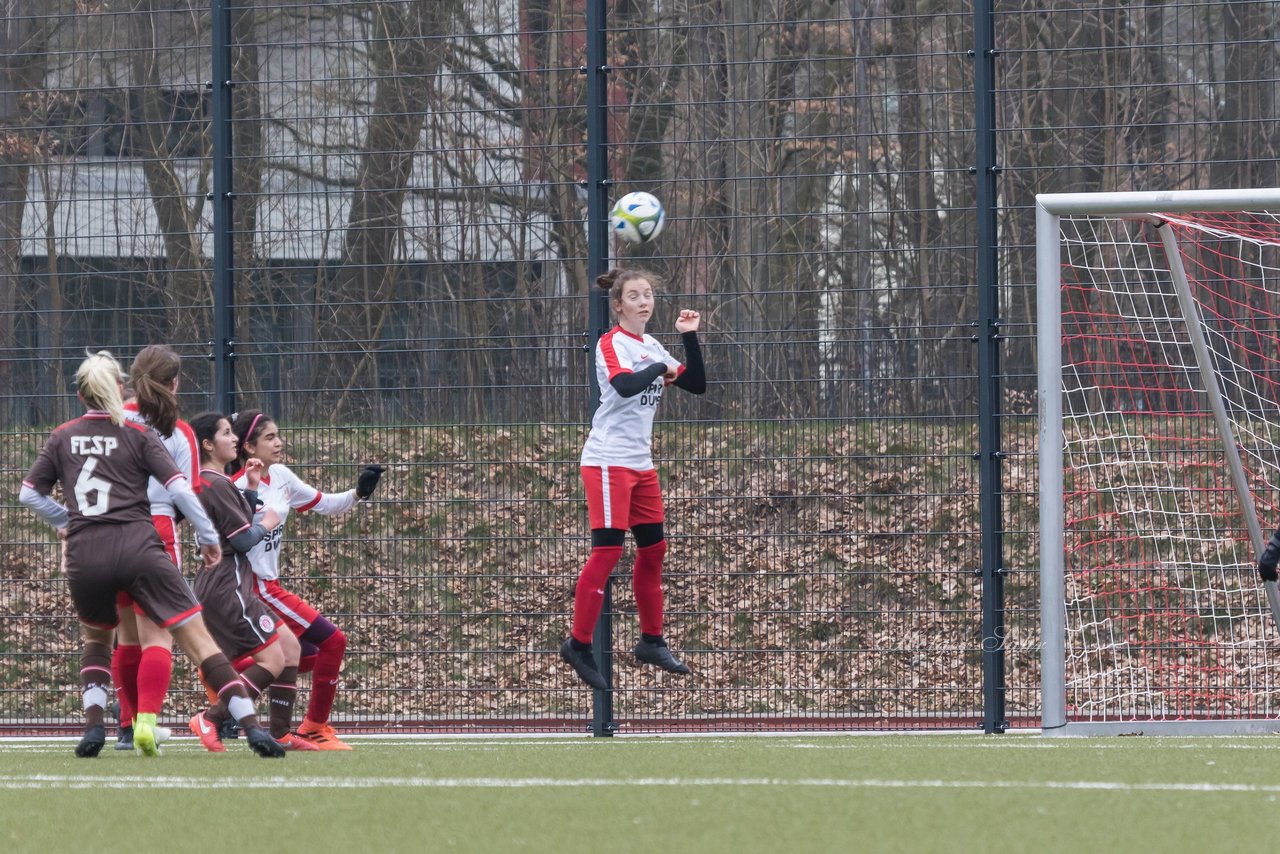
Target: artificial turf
{"x":905,"y":793}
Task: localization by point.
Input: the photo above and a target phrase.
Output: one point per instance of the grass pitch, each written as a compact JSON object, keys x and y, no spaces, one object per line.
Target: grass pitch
{"x":910,"y":793}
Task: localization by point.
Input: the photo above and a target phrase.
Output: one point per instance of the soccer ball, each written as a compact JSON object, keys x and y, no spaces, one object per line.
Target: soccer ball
{"x":637,"y":217}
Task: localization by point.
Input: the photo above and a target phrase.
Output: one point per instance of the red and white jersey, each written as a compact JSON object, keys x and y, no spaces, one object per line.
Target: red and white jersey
{"x":283,"y":490}
{"x":181,"y":445}
{"x":622,"y":429}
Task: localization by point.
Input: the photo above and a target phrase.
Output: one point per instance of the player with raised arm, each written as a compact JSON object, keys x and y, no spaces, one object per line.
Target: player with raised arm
{"x":617,"y":469}
{"x":142,"y":661}
{"x":241,"y":624}
{"x":110,"y":544}
{"x":323,"y":643}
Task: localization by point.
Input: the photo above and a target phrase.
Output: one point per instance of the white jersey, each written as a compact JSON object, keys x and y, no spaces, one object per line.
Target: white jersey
{"x":622,"y":428}
{"x":181,"y":445}
{"x":283,"y":491}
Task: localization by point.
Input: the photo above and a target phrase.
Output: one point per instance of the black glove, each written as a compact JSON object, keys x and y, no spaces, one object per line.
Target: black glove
{"x":368,"y":481}
{"x":1270,"y":556}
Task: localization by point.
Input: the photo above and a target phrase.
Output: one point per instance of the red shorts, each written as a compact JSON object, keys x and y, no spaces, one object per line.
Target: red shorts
{"x":169,"y":536}
{"x":621,"y":498}
{"x":292,"y":608}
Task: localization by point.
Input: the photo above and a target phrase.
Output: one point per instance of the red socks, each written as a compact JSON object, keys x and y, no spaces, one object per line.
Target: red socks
{"x":152,"y":677}
{"x":588,"y":598}
{"x":125,"y":660}
{"x":646,"y":581}
{"x":324,"y":678}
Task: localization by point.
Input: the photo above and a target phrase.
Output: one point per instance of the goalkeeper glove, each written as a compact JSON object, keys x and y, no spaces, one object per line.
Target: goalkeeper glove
{"x":368,"y":481}
{"x":1270,"y":556}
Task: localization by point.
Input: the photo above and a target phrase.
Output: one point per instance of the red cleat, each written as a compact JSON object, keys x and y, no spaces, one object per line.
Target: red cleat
{"x":207,"y":733}
{"x":321,"y":736}
{"x":293,"y":741}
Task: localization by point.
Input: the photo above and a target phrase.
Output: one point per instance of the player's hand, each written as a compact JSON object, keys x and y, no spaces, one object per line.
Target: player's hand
{"x":688,"y":321}
{"x":253,"y":469}
{"x":367,"y":482}
{"x":211,"y":554}
{"x":673,"y":371}
{"x":270,"y":518}
{"x":1270,"y":557}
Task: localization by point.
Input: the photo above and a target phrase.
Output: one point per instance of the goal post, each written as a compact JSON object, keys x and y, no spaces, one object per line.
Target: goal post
{"x":1158,"y":324}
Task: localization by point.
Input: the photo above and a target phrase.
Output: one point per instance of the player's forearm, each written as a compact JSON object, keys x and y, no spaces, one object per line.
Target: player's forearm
{"x":631,"y":384}
{"x":244,"y":540}
{"x":44,"y":506}
{"x":330,"y":504}
{"x":185,"y":500}
{"x":693,"y":378}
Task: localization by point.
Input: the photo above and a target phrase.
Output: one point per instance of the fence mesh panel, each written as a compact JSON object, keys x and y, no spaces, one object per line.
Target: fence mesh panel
{"x":410,"y":265}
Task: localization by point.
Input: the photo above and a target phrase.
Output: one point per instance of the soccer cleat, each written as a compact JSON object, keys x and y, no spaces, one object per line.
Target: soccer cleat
{"x":659,"y":654}
{"x":207,"y":733}
{"x":229,"y":728}
{"x":91,"y":744}
{"x":144,"y":734}
{"x":584,"y":665}
{"x":293,"y":741}
{"x":261,"y":743}
{"x":124,"y":741}
{"x":322,"y":736}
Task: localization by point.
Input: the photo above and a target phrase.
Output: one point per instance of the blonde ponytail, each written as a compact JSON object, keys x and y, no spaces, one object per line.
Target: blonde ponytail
{"x":98,"y":381}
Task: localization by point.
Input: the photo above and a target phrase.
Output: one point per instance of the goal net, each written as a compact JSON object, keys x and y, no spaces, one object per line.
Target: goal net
{"x":1159,"y":352}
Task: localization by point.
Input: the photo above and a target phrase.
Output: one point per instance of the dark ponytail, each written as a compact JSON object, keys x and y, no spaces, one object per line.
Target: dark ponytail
{"x":205,"y":427}
{"x":152,"y":374}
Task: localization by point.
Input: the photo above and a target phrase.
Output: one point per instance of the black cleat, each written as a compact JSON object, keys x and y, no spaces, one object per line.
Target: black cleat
{"x":91,"y":744}
{"x":124,"y":741}
{"x":584,"y":665}
{"x":229,"y":728}
{"x":659,"y":654}
{"x":261,"y":743}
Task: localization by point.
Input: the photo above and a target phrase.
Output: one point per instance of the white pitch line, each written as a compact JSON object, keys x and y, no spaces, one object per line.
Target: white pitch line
{"x":55,"y":781}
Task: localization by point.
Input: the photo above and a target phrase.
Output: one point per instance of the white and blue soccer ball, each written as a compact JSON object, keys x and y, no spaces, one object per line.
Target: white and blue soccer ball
{"x":637,"y":217}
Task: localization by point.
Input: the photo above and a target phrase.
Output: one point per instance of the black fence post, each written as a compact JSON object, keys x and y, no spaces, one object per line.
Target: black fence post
{"x":223,"y":352}
{"x":988,"y":340}
{"x":602,"y":723}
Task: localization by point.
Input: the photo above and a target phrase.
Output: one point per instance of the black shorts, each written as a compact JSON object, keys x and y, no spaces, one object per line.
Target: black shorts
{"x":103,"y":560}
{"x":239,"y":621}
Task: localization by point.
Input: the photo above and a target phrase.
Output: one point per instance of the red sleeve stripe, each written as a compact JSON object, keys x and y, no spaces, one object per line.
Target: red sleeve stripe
{"x":177,"y":476}
{"x":312,"y":503}
{"x":190,"y":436}
{"x":611,"y":356}
{"x":244,"y":527}
{"x":28,"y":484}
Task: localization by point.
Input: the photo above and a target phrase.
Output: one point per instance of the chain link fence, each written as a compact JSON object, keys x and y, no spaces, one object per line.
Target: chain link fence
{"x":407,"y":239}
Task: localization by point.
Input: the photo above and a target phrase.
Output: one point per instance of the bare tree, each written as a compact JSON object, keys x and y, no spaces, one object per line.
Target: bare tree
{"x":408,"y":48}
{"x":24,"y":40}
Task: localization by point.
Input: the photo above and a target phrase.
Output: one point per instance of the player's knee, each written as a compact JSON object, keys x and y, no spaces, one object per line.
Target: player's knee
{"x":336,"y":643}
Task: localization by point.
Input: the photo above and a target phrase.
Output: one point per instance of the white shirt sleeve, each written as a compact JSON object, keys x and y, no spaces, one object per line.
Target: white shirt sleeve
{"x":44,"y":506}
{"x":305,"y":498}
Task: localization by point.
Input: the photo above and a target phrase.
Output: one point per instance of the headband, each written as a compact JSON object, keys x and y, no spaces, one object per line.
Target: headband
{"x":252,"y":424}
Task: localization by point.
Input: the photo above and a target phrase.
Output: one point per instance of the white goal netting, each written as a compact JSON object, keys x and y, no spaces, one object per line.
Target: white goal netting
{"x":1163,"y":497}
